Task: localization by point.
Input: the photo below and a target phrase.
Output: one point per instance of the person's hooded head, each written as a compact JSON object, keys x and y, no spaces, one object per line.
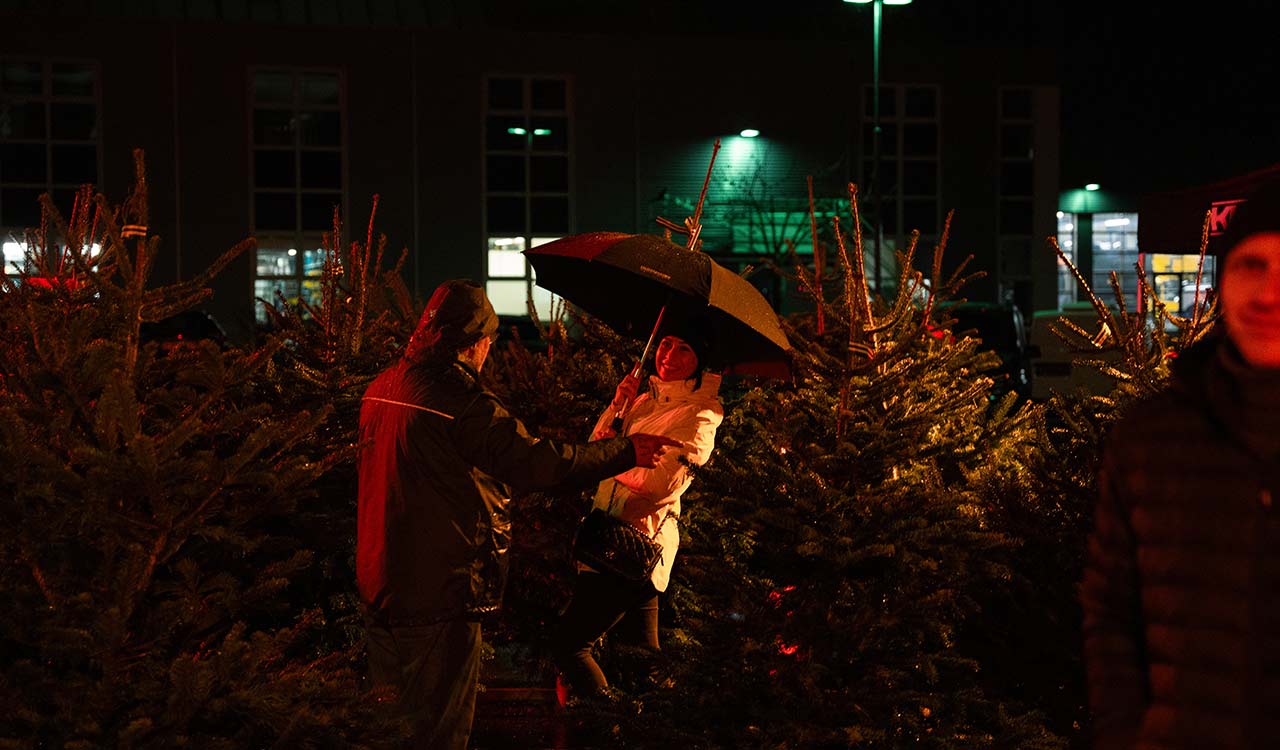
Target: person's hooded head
{"x":1249,"y":278}
{"x":457,"y":316}
{"x":697,"y":335}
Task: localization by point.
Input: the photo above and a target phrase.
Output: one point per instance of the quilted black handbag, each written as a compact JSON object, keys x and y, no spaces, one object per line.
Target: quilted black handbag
{"x":612,"y":545}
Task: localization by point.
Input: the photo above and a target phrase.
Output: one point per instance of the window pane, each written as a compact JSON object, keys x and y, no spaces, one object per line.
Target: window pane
{"x":920,"y":178}
{"x":272,"y":127}
{"x":64,"y":200}
{"x":74,"y":120}
{"x":505,"y":133}
{"x":1015,"y":104}
{"x":1015,"y":217}
{"x":322,"y":169}
{"x":1015,"y":256}
{"x":273,"y":169}
{"x":505,"y":215}
{"x":508,"y":297}
{"x":506,"y":93}
{"x":1015,"y":141}
{"x":75,"y":164}
{"x":920,"y":102}
{"x":506,"y":263}
{"x":509,"y":244}
{"x":313,"y":262}
{"x":1015,"y":178}
{"x":919,"y":139}
{"x":267,"y":288}
{"x":21,"y":78}
{"x":541,"y":302}
{"x":21,"y":119}
{"x":321,"y":128}
{"x":275,"y":262}
{"x":548,"y":94}
{"x":320,"y":88}
{"x":888,"y":138}
{"x":317,"y":210}
{"x":504,"y":173}
{"x":275,"y":211}
{"x":550,"y":215}
{"x":550,"y":133}
{"x":15,"y":256}
{"x":550,"y":174}
{"x":312,"y":293}
{"x":888,"y":180}
{"x":22,"y":162}
{"x":273,"y":88}
{"x":888,"y":101}
{"x":20,"y":207}
{"x":72,"y":79}
{"x":920,"y":214}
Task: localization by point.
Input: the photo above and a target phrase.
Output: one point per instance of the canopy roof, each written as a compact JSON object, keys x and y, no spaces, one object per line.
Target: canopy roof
{"x":1172,"y":222}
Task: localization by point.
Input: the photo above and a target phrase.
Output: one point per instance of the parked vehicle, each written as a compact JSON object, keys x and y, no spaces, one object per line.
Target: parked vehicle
{"x":185,"y":327}
{"x":1055,"y":366}
{"x":1001,"y":328}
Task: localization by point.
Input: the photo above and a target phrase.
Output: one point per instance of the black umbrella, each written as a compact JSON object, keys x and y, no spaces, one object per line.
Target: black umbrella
{"x":629,"y":280}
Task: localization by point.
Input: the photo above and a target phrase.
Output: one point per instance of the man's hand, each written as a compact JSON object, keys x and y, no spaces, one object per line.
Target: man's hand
{"x":650,"y":448}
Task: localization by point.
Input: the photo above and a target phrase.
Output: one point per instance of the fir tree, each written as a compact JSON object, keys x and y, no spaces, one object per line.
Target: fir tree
{"x":327,"y":353}
{"x":144,"y":598}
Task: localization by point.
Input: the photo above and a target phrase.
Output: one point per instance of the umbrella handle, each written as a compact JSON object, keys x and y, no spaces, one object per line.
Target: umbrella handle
{"x":635,"y":371}
{"x":617,"y":417}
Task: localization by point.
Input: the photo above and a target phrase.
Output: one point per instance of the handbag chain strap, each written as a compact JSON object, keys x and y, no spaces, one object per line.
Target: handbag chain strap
{"x":613,"y":494}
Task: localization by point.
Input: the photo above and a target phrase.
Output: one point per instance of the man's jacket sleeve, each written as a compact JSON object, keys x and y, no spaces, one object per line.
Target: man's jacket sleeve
{"x":497,"y":443}
{"x":1114,"y":651}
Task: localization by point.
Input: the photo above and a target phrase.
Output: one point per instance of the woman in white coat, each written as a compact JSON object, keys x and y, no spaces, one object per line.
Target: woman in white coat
{"x":682,"y":403}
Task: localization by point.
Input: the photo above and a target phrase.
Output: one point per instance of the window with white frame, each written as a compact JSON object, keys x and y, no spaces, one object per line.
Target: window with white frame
{"x":909,"y":171}
{"x":1115,"y":248}
{"x":526,"y":184}
{"x":49,"y":141}
{"x":298,"y":177}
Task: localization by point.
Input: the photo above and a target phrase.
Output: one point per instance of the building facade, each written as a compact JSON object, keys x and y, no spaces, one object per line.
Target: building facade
{"x":261,"y":119}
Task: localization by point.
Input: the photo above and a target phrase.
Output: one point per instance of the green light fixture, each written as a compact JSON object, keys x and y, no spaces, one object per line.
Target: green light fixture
{"x":1092,"y":186}
{"x":749,"y":133}
{"x":542,"y":131}
{"x":517,"y":131}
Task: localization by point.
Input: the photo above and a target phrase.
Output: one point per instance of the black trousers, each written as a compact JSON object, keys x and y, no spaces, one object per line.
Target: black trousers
{"x":600,"y":602}
{"x":435,"y":669}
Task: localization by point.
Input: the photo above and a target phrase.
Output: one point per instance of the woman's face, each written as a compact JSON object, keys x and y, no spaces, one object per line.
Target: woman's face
{"x":675,"y":359}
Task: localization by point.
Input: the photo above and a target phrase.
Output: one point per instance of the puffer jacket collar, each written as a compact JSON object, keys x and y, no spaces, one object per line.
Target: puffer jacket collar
{"x":676,"y":391}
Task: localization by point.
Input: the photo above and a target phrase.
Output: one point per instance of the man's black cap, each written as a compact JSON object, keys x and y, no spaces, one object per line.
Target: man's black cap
{"x":458,"y":315}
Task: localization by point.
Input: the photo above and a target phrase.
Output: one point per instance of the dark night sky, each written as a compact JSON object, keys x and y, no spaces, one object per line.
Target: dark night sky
{"x":1153,"y":97}
{"x":1157,"y":99}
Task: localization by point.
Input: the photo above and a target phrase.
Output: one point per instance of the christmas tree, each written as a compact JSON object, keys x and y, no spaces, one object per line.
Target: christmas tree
{"x":144,"y":601}
{"x":880,"y":554}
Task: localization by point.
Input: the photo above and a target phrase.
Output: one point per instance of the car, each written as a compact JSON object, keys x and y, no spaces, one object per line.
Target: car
{"x":185,"y":327}
{"x":1055,"y":366}
{"x":1001,"y":328}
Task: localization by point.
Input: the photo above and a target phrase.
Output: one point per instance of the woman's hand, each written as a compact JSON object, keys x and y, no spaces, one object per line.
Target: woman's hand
{"x":626,"y":391}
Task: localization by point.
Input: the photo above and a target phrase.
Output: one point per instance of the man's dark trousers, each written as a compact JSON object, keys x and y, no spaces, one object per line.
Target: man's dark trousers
{"x":436,"y":670}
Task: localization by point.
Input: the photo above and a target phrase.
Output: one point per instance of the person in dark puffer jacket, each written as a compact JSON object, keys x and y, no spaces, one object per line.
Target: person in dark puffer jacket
{"x":438,"y":453}
{"x":1181,"y":587}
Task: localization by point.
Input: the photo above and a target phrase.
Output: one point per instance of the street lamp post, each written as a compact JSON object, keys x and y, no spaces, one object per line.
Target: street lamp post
{"x":877,"y":10}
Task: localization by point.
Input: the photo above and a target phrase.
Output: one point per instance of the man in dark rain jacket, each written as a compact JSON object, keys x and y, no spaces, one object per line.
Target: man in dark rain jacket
{"x":1181,"y":590}
{"x":439,"y":452}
